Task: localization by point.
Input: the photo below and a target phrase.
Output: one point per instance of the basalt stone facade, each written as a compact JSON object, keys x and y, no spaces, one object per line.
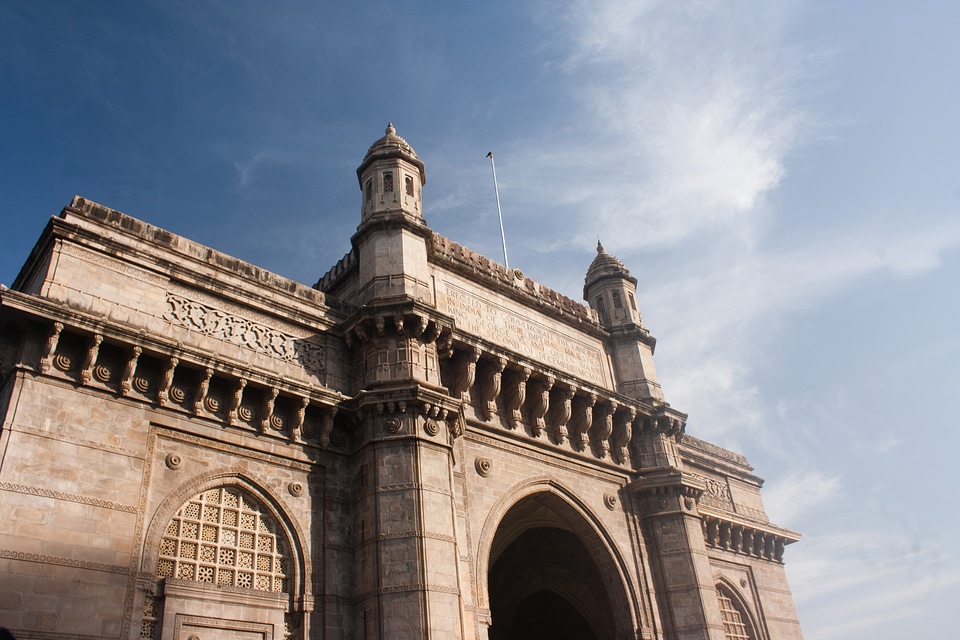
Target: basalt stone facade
{"x":422,"y":445}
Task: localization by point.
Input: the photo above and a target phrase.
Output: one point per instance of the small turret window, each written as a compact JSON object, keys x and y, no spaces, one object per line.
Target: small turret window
{"x":617,"y":302}
{"x":387,"y":182}
{"x":601,"y":309}
{"x":408,"y":181}
{"x":369,"y":190}
{"x":633,"y":302}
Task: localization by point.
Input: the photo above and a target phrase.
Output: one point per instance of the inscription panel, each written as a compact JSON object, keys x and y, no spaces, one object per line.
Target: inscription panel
{"x":488,"y":318}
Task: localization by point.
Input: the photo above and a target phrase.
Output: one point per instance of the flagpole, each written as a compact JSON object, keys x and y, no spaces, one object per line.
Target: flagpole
{"x":503,"y":236}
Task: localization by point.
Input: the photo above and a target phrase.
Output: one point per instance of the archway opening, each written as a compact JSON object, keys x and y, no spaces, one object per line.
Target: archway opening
{"x":544,"y":579}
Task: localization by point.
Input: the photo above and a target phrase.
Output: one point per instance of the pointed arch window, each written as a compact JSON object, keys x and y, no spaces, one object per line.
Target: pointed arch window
{"x":225,"y":537}
{"x":388,"y":182}
{"x":617,"y":302}
{"x":408,"y":182}
{"x":735,"y":620}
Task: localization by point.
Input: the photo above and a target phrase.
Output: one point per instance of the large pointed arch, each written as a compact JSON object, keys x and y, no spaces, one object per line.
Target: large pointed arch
{"x":544,"y":504}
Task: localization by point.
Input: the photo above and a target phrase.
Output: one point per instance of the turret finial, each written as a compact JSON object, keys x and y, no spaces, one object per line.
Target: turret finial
{"x":390,"y":130}
{"x":599,"y":246}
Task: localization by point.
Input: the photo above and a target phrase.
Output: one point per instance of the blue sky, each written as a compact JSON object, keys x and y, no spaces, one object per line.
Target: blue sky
{"x":782,"y":177}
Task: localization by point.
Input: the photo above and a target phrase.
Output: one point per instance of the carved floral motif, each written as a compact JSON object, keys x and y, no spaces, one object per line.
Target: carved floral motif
{"x":218,"y":324}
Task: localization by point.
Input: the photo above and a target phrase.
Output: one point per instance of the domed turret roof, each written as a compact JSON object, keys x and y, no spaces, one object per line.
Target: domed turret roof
{"x":391,"y":146}
{"x":603,"y":266}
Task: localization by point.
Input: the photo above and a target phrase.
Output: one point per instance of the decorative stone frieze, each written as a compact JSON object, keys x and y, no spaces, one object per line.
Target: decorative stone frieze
{"x":245,"y":333}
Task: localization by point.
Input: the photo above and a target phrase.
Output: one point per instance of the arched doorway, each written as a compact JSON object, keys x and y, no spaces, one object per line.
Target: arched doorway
{"x":546,"y":575}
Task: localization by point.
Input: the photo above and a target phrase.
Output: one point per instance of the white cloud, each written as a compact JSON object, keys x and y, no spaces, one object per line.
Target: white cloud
{"x":790,"y":496}
{"x":686,"y":118}
{"x":716,"y":322}
{"x":863,"y":579}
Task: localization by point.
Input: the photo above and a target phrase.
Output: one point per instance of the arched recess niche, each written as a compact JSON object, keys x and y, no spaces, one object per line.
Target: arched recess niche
{"x":182,"y":603}
{"x":739,"y":622}
{"x":546,"y":568}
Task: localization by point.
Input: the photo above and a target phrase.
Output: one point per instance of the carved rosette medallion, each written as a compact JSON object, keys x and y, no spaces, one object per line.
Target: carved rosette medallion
{"x":63,"y":362}
{"x":245,"y":413}
{"x":431,"y":427}
{"x":392,"y":424}
{"x":142,"y":384}
{"x":662,"y":503}
{"x":337,"y":438}
{"x":277,"y":422}
{"x":295,"y":489}
{"x":610,"y":501}
{"x":484,"y":467}
{"x":173,"y":461}
{"x":212,"y":404}
{"x":178,"y":394}
{"x":102,"y":373}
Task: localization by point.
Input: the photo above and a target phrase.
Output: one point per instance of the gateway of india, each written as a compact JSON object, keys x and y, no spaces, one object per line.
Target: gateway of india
{"x":422,"y":445}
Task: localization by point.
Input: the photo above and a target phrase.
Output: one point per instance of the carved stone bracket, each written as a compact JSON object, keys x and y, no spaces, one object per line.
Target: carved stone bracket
{"x":202,"y":389}
{"x":515,"y":396}
{"x":50,"y":347}
{"x":540,"y":403}
{"x":622,"y":432}
{"x":166,"y":380}
{"x":296,"y":427}
{"x":581,"y":421}
{"x":490,"y":387}
{"x":268,"y":409}
{"x":237,"y":399}
{"x":466,"y":373}
{"x":86,"y":371}
{"x":667,"y":421}
{"x":603,"y":427}
{"x":126,"y":380}
{"x":562,"y":411}
{"x":326,"y":427}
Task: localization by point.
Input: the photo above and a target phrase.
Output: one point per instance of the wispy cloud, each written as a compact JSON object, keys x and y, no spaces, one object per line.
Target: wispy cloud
{"x":793,"y":495}
{"x":686,"y":117}
{"x":719,"y":319}
{"x":863,"y":579}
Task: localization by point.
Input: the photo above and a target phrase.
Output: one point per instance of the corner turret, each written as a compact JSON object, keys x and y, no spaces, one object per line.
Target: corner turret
{"x":611,"y":291}
{"x":391,"y":178}
{"x":391,"y":240}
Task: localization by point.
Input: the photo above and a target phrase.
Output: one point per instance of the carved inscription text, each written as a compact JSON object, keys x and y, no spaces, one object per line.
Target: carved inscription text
{"x":513,"y":331}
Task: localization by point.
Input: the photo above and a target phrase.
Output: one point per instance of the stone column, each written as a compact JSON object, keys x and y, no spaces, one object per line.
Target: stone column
{"x":408,"y":586}
{"x":678,"y":555}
